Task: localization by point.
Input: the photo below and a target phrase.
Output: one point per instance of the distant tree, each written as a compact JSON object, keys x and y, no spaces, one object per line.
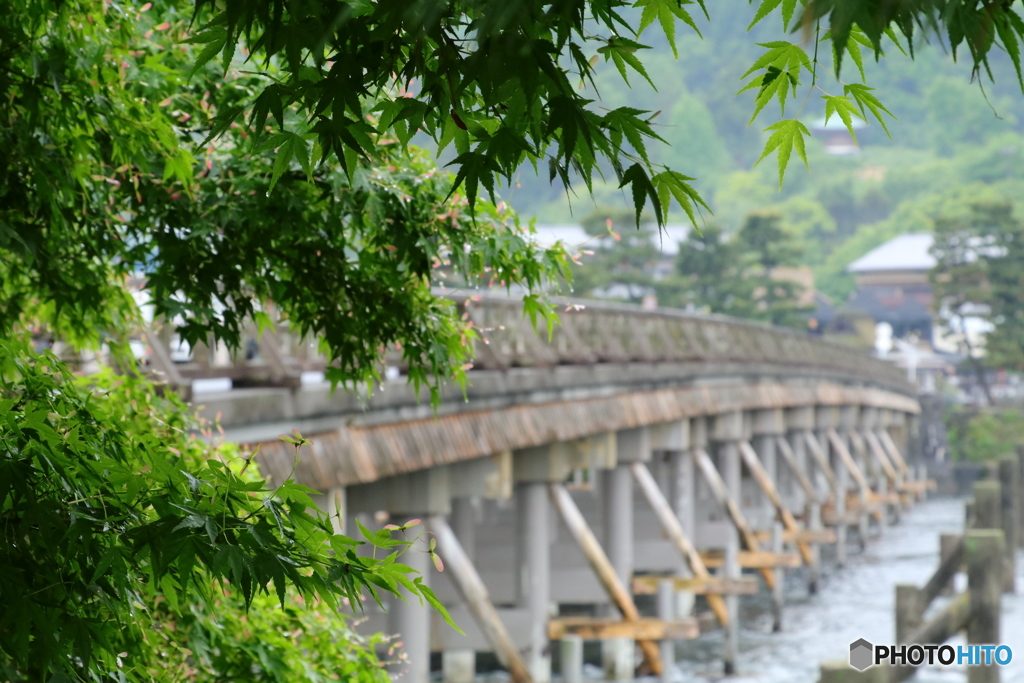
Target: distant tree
{"x":979,"y":273}
{"x":739,"y":275}
{"x":620,"y":260}
{"x":710,"y":275}
{"x":770,"y":247}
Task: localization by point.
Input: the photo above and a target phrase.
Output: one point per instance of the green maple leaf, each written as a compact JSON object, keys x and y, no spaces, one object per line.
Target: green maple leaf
{"x":845,"y":108}
{"x":787,"y":135}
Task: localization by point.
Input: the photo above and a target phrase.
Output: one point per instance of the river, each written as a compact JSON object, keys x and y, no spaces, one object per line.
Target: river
{"x":853,"y":602}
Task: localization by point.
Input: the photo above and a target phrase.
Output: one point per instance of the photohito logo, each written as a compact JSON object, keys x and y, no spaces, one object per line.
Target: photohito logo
{"x":863,"y":655}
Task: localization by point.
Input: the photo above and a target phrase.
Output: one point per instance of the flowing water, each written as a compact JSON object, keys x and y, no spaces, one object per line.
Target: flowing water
{"x":853,"y":602}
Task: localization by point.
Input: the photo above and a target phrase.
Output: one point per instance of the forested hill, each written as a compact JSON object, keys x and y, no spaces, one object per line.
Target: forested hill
{"x":949,"y":145}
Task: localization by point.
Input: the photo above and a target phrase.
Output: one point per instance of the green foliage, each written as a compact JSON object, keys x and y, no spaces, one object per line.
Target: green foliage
{"x":619,"y":259}
{"x":110,"y":509}
{"x":219,"y":640}
{"x":498,"y":82}
{"x":740,"y":275}
{"x":979,"y":272}
{"x":104,"y":181}
{"x":984,"y":436}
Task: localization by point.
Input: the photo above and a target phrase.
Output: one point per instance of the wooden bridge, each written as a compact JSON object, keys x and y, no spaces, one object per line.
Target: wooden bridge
{"x":626,"y":453}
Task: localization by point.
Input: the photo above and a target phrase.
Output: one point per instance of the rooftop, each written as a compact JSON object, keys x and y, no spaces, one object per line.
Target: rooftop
{"x":906,"y":252}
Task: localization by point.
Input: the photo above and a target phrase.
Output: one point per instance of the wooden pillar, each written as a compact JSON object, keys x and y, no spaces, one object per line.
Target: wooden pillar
{"x":729,"y":455}
{"x":666,"y":612}
{"x":987,"y":505}
{"x":410,"y":619}
{"x":794,"y":451}
{"x":778,"y":592}
{"x":1010,"y":511}
{"x":572,"y":658}
{"x":601,"y":566}
{"x":814,"y":571}
{"x":617,"y":505}
{"x":683,"y":501}
{"x":731,"y":569}
{"x":692,"y":562}
{"x":985,"y":549}
{"x":459,"y":665}
{"x":908,"y":611}
{"x":535,"y":574}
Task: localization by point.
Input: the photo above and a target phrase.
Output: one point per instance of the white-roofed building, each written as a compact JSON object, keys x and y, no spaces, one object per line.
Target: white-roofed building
{"x":893,"y":287}
{"x":909,"y":253}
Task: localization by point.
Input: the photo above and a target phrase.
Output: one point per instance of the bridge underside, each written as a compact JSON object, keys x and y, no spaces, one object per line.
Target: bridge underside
{"x":560,"y":491}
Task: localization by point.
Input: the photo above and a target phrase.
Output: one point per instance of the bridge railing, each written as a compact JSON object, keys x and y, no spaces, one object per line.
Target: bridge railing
{"x":603,"y":332}
{"x":587,"y":332}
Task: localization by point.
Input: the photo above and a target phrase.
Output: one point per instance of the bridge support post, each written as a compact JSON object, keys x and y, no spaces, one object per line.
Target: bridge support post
{"x":778,"y":591}
{"x":535,"y":574}
{"x":794,"y":451}
{"x":683,"y":494}
{"x":728,"y":431}
{"x":824,"y":419}
{"x":572,"y":658}
{"x":459,"y":665}
{"x":632,"y":445}
{"x":666,"y":612}
{"x":411,"y":619}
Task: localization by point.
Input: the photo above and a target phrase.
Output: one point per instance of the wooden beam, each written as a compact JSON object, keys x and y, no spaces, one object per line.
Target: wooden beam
{"x":848,"y":462}
{"x":670,"y":524}
{"x":721,"y":494}
{"x":644,"y":629}
{"x":883,"y":459}
{"x":801,"y":477}
{"x":471,"y":586}
{"x":764,"y":560}
{"x":753,"y":464}
{"x":711,"y":586}
{"x":942,"y":576}
{"x":602,"y":566}
{"x":818,"y":453}
{"x":803,"y":535}
{"x":893,"y":451}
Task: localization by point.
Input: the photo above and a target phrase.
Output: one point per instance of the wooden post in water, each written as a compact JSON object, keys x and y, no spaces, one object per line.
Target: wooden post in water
{"x":778,"y":594}
{"x":987,"y":505}
{"x":984,"y":549}
{"x":908,"y":611}
{"x":666,"y":612}
{"x":732,"y":629}
{"x":1010,"y":504}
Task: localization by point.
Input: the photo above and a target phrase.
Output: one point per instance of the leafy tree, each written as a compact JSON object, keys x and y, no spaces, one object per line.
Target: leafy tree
{"x":771,"y":248}
{"x":740,"y":275}
{"x":978,"y":272}
{"x":292,"y":181}
{"x":499,"y":82}
{"x":120,"y":527}
{"x":710,"y":275}
{"x":619,"y":260}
